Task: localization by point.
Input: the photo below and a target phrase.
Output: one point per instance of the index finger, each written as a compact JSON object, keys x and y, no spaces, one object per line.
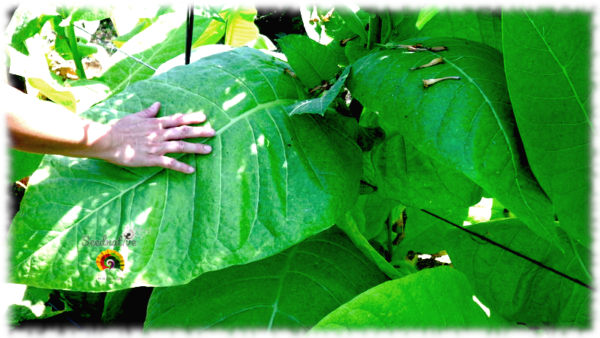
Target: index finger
{"x":182,"y":119}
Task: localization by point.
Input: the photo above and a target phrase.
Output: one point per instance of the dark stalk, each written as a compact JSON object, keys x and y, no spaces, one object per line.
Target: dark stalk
{"x":190,"y":33}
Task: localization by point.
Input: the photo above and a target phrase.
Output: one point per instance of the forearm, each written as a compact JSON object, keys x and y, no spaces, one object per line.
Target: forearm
{"x":43,"y":127}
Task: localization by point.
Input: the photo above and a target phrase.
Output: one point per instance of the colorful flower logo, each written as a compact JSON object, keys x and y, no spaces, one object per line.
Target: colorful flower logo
{"x":110,"y":259}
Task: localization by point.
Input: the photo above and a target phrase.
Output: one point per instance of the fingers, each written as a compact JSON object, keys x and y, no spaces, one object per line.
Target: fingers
{"x":173,"y":164}
{"x":183,"y":147}
{"x":150,"y":111}
{"x":182,"y":119}
{"x":182,"y":132}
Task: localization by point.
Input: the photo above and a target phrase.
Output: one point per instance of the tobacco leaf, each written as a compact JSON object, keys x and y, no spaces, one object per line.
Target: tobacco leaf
{"x":270,"y":182}
{"x":278,"y":292}
{"x":466,"y":124}
{"x":519,"y":290}
{"x":432,"y":298}
{"x":547,"y":56}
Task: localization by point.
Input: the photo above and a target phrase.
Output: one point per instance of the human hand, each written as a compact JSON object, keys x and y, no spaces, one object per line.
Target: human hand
{"x":142,"y":140}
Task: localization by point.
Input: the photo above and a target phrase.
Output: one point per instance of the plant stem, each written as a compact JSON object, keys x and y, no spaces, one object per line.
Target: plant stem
{"x":389,"y":241}
{"x":386,"y":26}
{"x":75,"y":52}
{"x":374,"y":23}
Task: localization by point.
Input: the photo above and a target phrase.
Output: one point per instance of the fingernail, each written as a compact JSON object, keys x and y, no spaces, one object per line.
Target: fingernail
{"x":190,"y":170}
{"x":207,"y":148}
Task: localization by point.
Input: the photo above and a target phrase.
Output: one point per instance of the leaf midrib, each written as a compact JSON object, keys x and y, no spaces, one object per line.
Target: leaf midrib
{"x":564,"y":71}
{"x":504,"y":133}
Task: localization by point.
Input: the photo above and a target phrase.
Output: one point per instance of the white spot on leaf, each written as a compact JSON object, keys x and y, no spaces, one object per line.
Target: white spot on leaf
{"x":236,"y":99}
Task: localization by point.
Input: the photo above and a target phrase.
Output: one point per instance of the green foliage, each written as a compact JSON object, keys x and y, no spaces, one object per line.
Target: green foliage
{"x":519,"y":290}
{"x":113,"y":303}
{"x":313,"y":63}
{"x":423,"y":233}
{"x":467,"y":124}
{"x":268,"y":184}
{"x":354,"y":126}
{"x":547,"y":60}
{"x":404,"y":173}
{"x":483,"y":26}
{"x":321,"y":104}
{"x":434,"y":298}
{"x":23,"y":164}
{"x":278,"y":292}
{"x":160,"y":42}
{"x":29,"y":303}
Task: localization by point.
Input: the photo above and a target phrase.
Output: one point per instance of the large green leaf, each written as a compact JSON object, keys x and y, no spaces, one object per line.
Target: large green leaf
{"x":311,"y":61}
{"x":270,"y":182}
{"x":432,"y":298}
{"x":160,"y":42}
{"x":405,"y":174}
{"x":519,"y":290}
{"x":547,"y":56}
{"x":483,"y":26}
{"x":466,"y":124}
{"x":291,"y":290}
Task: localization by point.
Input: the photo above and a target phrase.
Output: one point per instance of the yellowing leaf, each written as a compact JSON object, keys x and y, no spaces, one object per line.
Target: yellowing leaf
{"x":240,"y":26}
{"x":62,"y":97}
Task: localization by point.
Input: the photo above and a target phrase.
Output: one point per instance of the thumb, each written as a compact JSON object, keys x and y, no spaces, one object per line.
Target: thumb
{"x":150,"y":111}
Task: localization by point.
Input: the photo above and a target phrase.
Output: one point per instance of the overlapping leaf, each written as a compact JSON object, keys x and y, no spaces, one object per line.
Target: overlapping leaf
{"x":548,"y":63}
{"x":423,"y":233}
{"x":350,"y":223}
{"x":432,"y":298}
{"x":516,"y":288}
{"x":291,"y":290}
{"x":26,"y":22}
{"x":405,"y":174}
{"x":320,"y":104}
{"x":270,"y":182}
{"x":23,"y":164}
{"x":466,"y":124}
{"x":160,"y":42}
{"x":241,"y":28}
{"x":312,"y":62}
{"x":483,"y":26}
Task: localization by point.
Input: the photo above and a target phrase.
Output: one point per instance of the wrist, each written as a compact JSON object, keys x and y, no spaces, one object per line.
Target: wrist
{"x":97,"y":141}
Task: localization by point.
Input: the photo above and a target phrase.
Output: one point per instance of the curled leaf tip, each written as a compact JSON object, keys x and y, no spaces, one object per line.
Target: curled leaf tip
{"x":433,"y":62}
{"x":345,"y":41}
{"x":431,"y":82}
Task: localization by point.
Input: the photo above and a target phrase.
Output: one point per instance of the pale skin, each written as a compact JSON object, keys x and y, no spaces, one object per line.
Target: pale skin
{"x":137,"y":140}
